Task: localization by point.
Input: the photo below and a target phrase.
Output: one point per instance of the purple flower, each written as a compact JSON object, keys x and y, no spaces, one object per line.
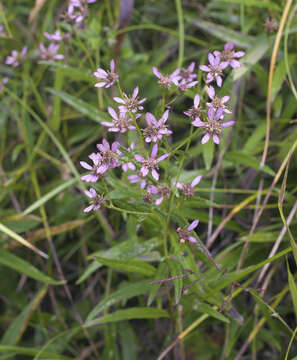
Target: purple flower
{"x":183,"y":85}
{"x":229,"y":55}
{"x":97,"y":200}
{"x":214,"y":69}
{"x":156,"y":129}
{"x":129,"y":165}
{"x":133,"y":179}
{"x":183,"y":234}
{"x":108,"y":78}
{"x":109,"y":156}
{"x":94,"y":175}
{"x":196,"y":111}
{"x":15,"y":58}
{"x":56,"y":36}
{"x":151,"y":163}
{"x":188,"y":189}
{"x":217,"y":103}
{"x":161,"y":191}
{"x":2,"y":32}
{"x":2,"y":83}
{"x":120,"y":122}
{"x":187,"y":74}
{"x":213,"y":126}
{"x":166,"y":81}
{"x":76,"y":16}
{"x":130,"y":103}
{"x":50,"y":53}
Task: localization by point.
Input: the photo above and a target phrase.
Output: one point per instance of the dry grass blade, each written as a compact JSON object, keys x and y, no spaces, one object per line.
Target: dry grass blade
{"x":35,"y":11}
{"x":21,"y":240}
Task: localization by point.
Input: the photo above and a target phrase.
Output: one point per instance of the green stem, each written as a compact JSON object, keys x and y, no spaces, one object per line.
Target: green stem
{"x":181,"y":32}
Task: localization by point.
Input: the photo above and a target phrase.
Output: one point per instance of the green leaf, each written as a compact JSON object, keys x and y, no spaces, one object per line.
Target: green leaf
{"x":128,"y":314}
{"x":125,"y":250}
{"x":208,"y":153}
{"x":134,"y":266}
{"x":31,"y":351}
{"x":242,"y":158}
{"x":258,"y":50}
{"x":280,"y":75}
{"x":224,"y":33}
{"x":84,"y":108}
{"x":14,"y":262}
{"x":124,"y":293}
{"x":175,"y":270}
{"x":57,"y":190}
{"x":207,"y":309}
{"x":257,"y":3}
{"x":18,"y":326}
{"x":72,"y":72}
{"x":161,"y":273}
{"x":293,"y":289}
{"x":254,"y":139}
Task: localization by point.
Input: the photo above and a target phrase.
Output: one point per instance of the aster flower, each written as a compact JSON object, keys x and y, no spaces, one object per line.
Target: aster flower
{"x":188,"y":189}
{"x":2,"y":83}
{"x":156,"y":129}
{"x":161,"y":191}
{"x":56,"y":36}
{"x":109,"y":156}
{"x":97,"y":200}
{"x":133,"y":179}
{"x":76,"y":16}
{"x":120,"y":123}
{"x":214,"y":69}
{"x":15,"y":58}
{"x":229,"y":55}
{"x":2,"y":32}
{"x":187,"y":74}
{"x":217,"y":103}
{"x":167,"y":80}
{"x":130,"y":103}
{"x":50,"y":53}
{"x":196,"y":111}
{"x":129,"y":165}
{"x":151,"y":163}
{"x":108,"y":78}
{"x":94,"y":175}
{"x":213,"y":126}
{"x":183,"y":234}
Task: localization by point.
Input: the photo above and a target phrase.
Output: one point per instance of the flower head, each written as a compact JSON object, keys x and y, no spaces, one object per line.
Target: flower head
{"x":97,"y":200}
{"x":196,"y":111}
{"x":151,"y":163}
{"x":156,"y":129}
{"x":120,"y":122}
{"x":15,"y":58}
{"x":108,"y":78}
{"x":167,"y":80}
{"x":161,"y":191}
{"x":109,"y":156}
{"x":50,"y":53}
{"x":217,"y":103}
{"x":2,"y":32}
{"x":183,"y":234}
{"x":229,"y":55}
{"x":187,"y":77}
{"x":130,"y":103}
{"x":213,"y":126}
{"x":56,"y":36}
{"x":188,"y":189}
{"x":214,"y":69}
{"x":133,"y":179}
{"x":93,"y":176}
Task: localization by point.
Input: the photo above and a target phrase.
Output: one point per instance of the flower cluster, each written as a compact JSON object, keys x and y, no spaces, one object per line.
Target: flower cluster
{"x":142,"y":165}
{"x":77,"y":11}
